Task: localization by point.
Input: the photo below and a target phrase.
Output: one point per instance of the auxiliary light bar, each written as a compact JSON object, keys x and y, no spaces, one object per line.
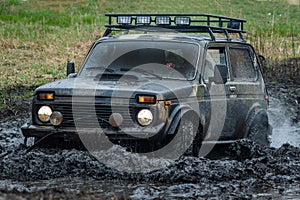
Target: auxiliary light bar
{"x":159,"y":20}
{"x":146,"y":20}
{"x":162,"y":20}
{"x":124,"y":19}
{"x":182,"y":20}
{"x":184,"y":23}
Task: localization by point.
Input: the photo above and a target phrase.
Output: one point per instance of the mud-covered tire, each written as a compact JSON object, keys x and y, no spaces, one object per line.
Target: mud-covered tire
{"x":259,"y":129}
{"x":187,"y":137}
{"x":197,"y":143}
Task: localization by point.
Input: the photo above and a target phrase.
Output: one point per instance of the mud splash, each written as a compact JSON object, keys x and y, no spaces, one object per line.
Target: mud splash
{"x":246,"y":171}
{"x":284,"y":130}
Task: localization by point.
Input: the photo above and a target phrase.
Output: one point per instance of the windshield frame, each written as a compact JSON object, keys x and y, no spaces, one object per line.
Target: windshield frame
{"x":196,"y":66}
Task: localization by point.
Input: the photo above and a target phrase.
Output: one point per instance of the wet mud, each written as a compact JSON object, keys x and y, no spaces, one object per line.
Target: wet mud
{"x":245,"y":170}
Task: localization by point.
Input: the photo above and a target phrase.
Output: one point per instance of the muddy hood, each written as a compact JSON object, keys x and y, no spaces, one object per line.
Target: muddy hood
{"x":164,"y":89}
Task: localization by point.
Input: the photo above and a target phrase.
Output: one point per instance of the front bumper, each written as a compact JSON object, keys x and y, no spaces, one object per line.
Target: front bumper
{"x":72,"y":133}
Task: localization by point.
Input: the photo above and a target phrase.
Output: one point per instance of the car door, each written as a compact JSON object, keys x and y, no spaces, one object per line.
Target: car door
{"x":245,"y":88}
{"x":216,"y":94}
{"x":230,"y":102}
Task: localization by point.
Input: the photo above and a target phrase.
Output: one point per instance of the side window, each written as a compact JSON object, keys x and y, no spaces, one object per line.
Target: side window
{"x":242,"y":65}
{"x":214,"y":56}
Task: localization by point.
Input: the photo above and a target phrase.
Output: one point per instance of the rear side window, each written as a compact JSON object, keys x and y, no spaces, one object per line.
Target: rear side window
{"x":241,"y":64}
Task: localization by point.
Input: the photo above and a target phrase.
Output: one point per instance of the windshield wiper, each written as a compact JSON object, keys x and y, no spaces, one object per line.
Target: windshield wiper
{"x":145,"y":72}
{"x":101,"y":68}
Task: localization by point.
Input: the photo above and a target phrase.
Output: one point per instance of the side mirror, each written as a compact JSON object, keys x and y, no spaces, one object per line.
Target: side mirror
{"x":262,"y":60}
{"x":220,"y":74}
{"x":70,"y":68}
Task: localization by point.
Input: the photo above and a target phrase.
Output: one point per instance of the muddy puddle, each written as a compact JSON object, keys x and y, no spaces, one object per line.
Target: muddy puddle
{"x":246,"y":171}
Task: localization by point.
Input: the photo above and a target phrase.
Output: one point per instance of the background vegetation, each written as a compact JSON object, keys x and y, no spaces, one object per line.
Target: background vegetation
{"x":37,"y":37}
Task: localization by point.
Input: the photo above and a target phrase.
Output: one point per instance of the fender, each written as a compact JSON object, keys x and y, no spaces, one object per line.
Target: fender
{"x":174,"y":119}
{"x":256,"y":112}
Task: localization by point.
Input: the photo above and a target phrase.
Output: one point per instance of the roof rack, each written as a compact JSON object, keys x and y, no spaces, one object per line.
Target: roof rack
{"x":185,"y":23}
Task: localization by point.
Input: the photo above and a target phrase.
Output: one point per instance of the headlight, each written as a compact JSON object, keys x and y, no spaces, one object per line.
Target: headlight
{"x":145,"y":117}
{"x":44,"y":113}
{"x":56,"y":118}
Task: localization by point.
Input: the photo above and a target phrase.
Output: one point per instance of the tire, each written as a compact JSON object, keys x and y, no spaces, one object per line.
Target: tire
{"x":260,"y":129}
{"x":197,"y":143}
{"x":187,"y":138}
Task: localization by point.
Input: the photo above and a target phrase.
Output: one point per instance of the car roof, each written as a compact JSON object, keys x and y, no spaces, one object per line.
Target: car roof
{"x":178,"y":37}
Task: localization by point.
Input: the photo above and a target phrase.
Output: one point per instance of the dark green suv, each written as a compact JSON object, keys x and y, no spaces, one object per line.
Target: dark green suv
{"x":169,"y":82}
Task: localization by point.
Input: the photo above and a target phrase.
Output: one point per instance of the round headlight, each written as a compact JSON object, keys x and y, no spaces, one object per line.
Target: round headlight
{"x":44,"y":113}
{"x":56,"y":118}
{"x":145,"y":117}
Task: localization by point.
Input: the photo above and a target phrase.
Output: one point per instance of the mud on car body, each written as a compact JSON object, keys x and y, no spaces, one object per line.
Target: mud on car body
{"x":169,"y":80}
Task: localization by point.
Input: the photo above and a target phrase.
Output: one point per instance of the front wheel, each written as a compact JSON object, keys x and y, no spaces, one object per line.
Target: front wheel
{"x":187,"y":138}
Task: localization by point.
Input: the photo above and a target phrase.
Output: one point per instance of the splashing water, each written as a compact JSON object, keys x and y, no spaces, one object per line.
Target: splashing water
{"x":283,"y":129}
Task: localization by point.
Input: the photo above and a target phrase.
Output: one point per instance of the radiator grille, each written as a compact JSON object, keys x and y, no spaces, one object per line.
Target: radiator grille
{"x":87,"y":114}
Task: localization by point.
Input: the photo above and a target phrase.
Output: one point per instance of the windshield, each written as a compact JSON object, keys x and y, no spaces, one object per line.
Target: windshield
{"x":175,"y":60}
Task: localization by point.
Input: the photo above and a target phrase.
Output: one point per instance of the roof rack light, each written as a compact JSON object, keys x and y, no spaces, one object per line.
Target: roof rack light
{"x":124,"y":19}
{"x":233,"y":25}
{"x":145,"y":20}
{"x":162,"y":20}
{"x":186,"y":21}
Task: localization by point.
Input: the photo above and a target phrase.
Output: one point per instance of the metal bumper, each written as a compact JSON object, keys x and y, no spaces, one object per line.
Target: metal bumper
{"x":29,"y":130}
{"x":72,"y":133}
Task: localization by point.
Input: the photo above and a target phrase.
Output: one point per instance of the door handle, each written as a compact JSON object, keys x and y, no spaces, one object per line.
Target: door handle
{"x":232,"y":88}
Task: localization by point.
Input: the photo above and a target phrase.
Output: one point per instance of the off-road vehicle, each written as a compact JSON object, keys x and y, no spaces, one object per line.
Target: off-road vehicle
{"x":158,"y":81}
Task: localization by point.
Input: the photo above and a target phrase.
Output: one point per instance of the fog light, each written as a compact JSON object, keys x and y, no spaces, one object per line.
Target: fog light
{"x":115,"y":119}
{"x":145,"y":117}
{"x":56,"y":118}
{"x":44,"y":113}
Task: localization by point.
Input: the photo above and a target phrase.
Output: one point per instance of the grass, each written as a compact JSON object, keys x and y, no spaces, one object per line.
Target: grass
{"x":37,"y":37}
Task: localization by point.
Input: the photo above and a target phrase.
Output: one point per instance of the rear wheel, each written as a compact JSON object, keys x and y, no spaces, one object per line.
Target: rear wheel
{"x":260,"y":129}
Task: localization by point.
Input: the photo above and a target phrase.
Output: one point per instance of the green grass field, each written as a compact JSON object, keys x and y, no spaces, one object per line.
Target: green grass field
{"x":37,"y":37}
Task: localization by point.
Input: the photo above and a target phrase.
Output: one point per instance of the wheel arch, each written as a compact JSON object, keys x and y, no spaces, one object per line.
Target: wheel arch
{"x":250,"y":117}
{"x":180,"y":112}
{"x":256,"y":114}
